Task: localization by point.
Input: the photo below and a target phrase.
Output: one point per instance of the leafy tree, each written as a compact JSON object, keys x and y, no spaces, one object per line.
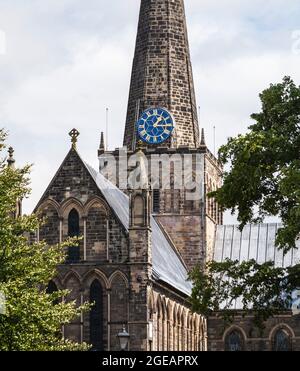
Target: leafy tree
{"x":33,"y":318}
{"x":263,"y":180}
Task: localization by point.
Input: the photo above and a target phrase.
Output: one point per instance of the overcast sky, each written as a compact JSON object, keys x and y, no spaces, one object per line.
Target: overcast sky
{"x":65,"y":61}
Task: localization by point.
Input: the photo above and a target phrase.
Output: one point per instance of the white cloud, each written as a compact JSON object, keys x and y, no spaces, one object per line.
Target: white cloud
{"x":67,"y":60}
{"x":229,"y":94}
{"x":2,"y":42}
{"x":74,"y":94}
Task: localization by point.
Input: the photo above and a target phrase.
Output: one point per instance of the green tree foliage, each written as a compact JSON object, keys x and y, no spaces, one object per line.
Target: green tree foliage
{"x":264,"y":176}
{"x":262,"y":289}
{"x":263,"y":180}
{"x":33,"y":318}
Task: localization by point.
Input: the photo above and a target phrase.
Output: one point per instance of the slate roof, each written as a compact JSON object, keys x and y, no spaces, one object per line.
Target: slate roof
{"x":254,"y":242}
{"x":167,"y":265}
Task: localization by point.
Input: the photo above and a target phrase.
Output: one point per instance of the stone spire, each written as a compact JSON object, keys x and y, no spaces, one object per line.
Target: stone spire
{"x":102,"y":143}
{"x":162,"y":72}
{"x":11,"y":161}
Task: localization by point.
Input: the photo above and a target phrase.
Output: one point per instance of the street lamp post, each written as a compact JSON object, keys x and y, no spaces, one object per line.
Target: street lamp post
{"x":123,"y":338}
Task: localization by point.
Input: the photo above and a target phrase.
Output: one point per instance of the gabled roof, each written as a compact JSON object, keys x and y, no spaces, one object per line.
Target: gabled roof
{"x":167,"y":266}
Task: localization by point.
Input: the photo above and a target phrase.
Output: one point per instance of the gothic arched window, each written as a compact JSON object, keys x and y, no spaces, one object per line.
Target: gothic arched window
{"x":234,"y":342}
{"x":73,"y":231}
{"x":96,"y":316}
{"x":282,"y":341}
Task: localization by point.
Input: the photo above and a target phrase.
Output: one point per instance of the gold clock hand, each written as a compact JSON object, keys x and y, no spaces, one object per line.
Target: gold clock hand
{"x":158,"y":120}
{"x":164,"y":125}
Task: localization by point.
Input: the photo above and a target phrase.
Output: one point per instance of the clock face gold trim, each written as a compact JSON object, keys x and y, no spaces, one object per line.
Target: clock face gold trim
{"x":155,"y":125}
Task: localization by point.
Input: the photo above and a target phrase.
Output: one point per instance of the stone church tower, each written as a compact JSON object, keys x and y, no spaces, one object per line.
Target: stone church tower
{"x":162,"y":77}
{"x":141,"y":238}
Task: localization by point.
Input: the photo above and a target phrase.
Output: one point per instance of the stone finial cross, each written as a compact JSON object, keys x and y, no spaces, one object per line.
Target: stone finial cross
{"x":74,"y":134}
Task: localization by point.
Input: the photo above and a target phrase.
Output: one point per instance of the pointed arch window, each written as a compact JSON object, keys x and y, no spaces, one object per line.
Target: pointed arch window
{"x":73,"y":231}
{"x":282,"y":341}
{"x":96,"y":316}
{"x":234,"y":342}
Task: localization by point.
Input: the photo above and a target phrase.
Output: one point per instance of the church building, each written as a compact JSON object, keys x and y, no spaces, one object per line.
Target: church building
{"x":140,"y":238}
{"x":139,"y":244}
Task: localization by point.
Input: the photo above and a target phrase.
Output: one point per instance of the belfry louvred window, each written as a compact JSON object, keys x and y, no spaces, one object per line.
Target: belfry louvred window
{"x":156,"y":200}
{"x":73,"y":231}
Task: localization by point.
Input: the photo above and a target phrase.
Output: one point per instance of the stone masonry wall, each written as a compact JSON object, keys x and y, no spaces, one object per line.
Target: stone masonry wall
{"x":96,"y":230}
{"x":49,"y":230}
{"x":187,"y":235}
{"x":253,"y":338}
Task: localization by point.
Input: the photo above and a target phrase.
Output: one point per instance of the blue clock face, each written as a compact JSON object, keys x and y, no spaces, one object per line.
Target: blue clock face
{"x":155,"y":125}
